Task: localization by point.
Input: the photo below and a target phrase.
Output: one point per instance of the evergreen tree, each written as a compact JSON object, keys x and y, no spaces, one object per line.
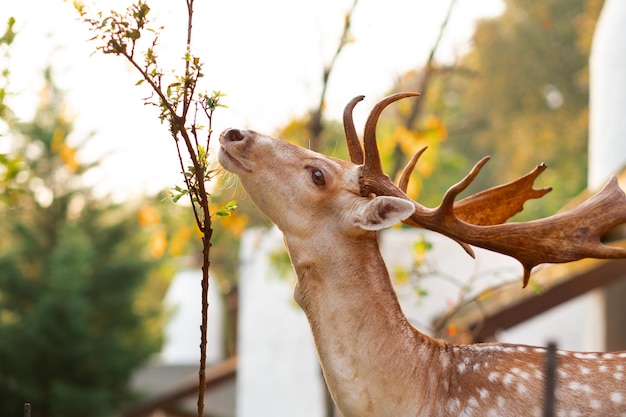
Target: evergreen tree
{"x":73,"y":324}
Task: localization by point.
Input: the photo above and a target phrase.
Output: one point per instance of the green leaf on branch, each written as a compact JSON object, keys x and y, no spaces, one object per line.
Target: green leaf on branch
{"x":228,"y":209}
{"x":9,"y":34}
{"x":177,"y":193}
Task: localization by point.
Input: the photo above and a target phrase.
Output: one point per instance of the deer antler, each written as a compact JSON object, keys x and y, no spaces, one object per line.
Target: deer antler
{"x":354,"y":146}
{"x":479,"y":219}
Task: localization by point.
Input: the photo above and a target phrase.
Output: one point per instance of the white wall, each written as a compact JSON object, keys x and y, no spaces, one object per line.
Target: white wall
{"x":278,"y":371}
{"x":607,"y":117}
{"x":607,"y":113}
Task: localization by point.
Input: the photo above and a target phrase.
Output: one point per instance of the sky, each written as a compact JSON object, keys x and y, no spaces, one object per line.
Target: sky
{"x":266,"y":56}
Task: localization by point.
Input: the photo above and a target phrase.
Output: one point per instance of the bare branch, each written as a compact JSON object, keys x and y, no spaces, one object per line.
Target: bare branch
{"x":316,"y":125}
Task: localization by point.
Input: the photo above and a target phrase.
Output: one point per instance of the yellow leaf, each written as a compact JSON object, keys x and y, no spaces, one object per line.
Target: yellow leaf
{"x":58,"y":139}
{"x":158,"y":243}
{"x":149,"y":216}
{"x":68,"y":155}
{"x":436,"y":127}
{"x":401,"y":275}
{"x":179,"y":240}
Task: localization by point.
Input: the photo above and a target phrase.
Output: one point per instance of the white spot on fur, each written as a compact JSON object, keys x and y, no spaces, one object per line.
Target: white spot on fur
{"x":483,"y":393}
{"x":472,"y":402}
{"x":581,"y":355}
{"x":595,"y":404}
{"x":445,"y":362}
{"x":493,"y":376}
{"x":618,"y":376}
{"x":574,"y":385}
{"x":617,"y":397}
{"x":523,"y":374}
{"x":491,"y":347}
{"x":461,"y":367}
{"x":508,"y":379}
{"x":476,"y":367}
{"x":602,"y":368}
{"x":521,"y":389}
{"x":453,"y":405}
{"x":467,"y":412}
{"x":577,"y":386}
{"x":584,"y":370}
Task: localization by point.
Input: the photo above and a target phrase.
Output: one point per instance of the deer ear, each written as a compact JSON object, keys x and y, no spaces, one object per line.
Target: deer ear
{"x":382,"y":212}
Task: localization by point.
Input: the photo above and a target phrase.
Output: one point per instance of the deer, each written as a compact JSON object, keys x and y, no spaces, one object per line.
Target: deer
{"x":374,"y":362}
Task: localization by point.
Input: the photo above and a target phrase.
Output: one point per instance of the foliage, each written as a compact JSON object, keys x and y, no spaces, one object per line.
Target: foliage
{"x":519,"y":95}
{"x":5,"y":41}
{"x":75,"y":320}
{"x":10,"y":166}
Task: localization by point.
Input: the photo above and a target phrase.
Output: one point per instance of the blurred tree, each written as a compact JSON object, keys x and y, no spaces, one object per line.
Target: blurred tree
{"x":529,"y":101}
{"x":74,"y":321}
{"x":520,"y":95}
{"x":5,"y":41}
{"x":9,"y":166}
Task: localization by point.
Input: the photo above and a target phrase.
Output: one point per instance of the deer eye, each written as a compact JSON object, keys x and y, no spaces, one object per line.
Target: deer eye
{"x":318,"y":177}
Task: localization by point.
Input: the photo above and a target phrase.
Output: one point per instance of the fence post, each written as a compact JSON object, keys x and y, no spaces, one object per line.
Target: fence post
{"x":548,"y":404}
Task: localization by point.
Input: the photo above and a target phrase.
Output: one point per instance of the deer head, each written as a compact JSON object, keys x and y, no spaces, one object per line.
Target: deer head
{"x":298,"y":177}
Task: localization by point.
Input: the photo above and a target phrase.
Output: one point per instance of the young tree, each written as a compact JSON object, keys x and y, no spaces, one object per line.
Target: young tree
{"x":186,"y":110}
{"x":73,"y":324}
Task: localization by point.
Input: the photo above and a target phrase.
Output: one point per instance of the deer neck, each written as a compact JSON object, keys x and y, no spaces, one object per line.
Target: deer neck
{"x":362,"y":337}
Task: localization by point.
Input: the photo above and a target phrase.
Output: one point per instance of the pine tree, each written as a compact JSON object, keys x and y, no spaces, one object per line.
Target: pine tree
{"x":73,"y":326}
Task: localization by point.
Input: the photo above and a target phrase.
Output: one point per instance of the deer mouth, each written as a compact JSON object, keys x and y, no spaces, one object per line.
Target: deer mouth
{"x":230,"y":163}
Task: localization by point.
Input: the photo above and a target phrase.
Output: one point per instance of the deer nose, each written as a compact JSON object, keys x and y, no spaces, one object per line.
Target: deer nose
{"x":231,"y":135}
